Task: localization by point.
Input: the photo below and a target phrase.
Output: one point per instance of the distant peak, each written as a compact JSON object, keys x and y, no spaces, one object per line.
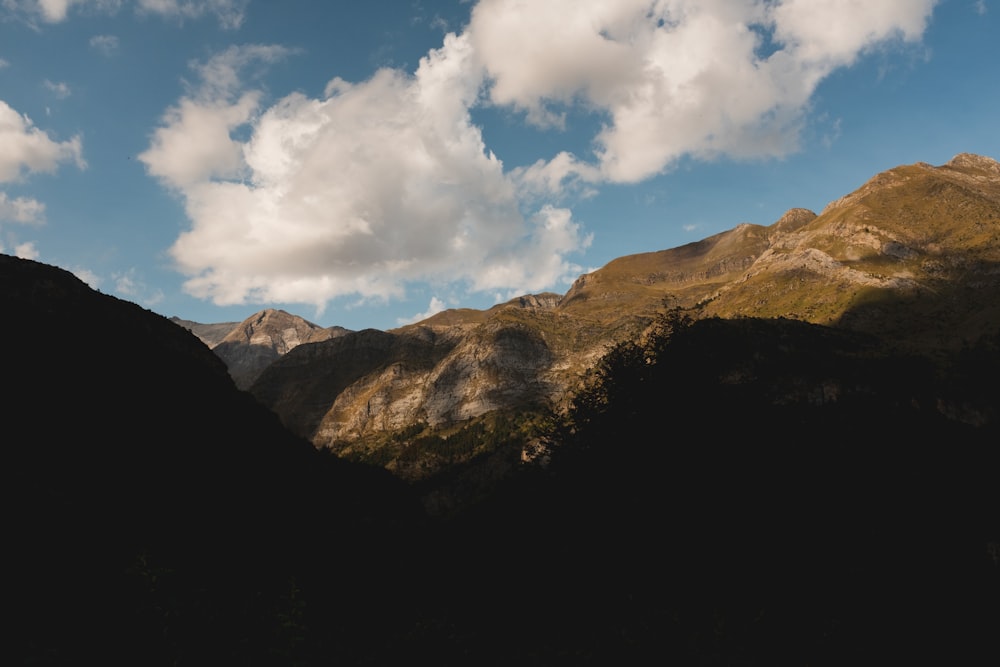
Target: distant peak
{"x":543,"y":300}
{"x":270,"y":314}
{"x":973,"y":161}
{"x":793,"y":219}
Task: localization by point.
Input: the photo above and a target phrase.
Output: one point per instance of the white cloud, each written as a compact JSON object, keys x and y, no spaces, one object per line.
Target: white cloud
{"x":679,"y":77}
{"x":194,"y":144}
{"x":372,"y":186}
{"x":59,"y":89}
{"x":832,"y":33}
{"x":25,"y":148}
{"x":22,"y":210}
{"x":433,"y":308}
{"x":229,"y":13}
{"x":26,"y":250}
{"x":379,"y":183}
{"x":55,"y":10}
{"x":555,"y":177}
{"x":106,"y":44}
{"x":88,"y":276}
{"x":4,"y":63}
{"x":130,"y":286}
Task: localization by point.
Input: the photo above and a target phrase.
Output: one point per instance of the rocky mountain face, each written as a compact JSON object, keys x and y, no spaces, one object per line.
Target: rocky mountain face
{"x":912,"y":256}
{"x":248,"y":347}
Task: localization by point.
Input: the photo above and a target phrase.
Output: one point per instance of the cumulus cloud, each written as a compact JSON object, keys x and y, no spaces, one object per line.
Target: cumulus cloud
{"x":54,"y":11}
{"x":358,"y":192}
{"x":57,"y":88}
{"x":26,"y":148}
{"x":433,"y":308}
{"x":553,"y":178}
{"x":26,"y":250}
{"x":679,"y":77}
{"x":23,"y":210}
{"x":88,"y":276}
{"x":129,"y":285}
{"x":379,"y":183}
{"x":194,"y":144}
{"x":229,"y":13}
{"x":23,"y":149}
{"x":106,"y":44}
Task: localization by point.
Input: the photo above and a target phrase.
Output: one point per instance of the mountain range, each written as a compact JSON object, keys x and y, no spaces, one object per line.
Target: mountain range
{"x":775,"y":446}
{"x":912,"y":256}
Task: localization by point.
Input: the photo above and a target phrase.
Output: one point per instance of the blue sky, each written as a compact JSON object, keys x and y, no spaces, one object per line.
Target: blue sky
{"x":367,"y":164}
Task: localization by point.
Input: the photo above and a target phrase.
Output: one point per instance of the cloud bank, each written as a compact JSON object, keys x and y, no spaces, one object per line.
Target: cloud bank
{"x":384,"y":182}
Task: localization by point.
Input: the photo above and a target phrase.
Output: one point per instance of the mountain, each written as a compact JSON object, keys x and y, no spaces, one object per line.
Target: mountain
{"x":914,"y":255}
{"x":209,"y":334}
{"x":761,"y":491}
{"x":712,"y":490}
{"x":152,"y":509}
{"x":248,"y":347}
{"x":910,"y":235}
{"x":911,"y":256}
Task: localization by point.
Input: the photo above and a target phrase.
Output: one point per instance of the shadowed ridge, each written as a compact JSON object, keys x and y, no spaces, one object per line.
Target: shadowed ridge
{"x":131,"y":459}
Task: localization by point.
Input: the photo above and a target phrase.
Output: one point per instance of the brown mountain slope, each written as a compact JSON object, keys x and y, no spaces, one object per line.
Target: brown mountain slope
{"x":912,"y":255}
{"x":682,"y":275}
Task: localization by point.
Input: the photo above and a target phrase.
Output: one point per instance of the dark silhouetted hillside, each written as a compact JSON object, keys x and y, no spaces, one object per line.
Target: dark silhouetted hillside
{"x":757,"y":492}
{"x":155,"y":514}
{"x":793,"y":464}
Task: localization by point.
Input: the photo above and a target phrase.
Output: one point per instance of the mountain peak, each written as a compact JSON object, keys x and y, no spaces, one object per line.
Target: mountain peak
{"x":974,"y":162}
{"x":793,"y":219}
{"x":263,"y":337}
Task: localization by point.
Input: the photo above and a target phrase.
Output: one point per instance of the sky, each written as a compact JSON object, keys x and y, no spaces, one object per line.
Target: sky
{"x":367,"y":164}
